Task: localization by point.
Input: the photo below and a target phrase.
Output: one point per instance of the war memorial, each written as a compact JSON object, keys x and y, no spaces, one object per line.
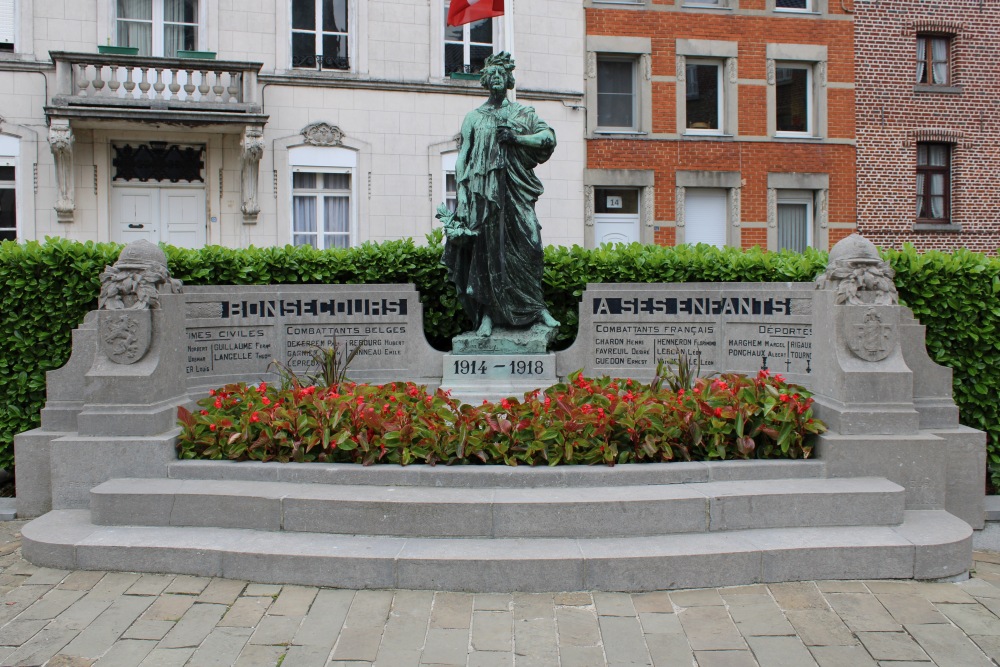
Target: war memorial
{"x":893,"y":491}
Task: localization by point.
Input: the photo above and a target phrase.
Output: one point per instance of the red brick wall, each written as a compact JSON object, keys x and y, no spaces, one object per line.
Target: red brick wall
{"x":753,"y":159}
{"x":888,"y":110}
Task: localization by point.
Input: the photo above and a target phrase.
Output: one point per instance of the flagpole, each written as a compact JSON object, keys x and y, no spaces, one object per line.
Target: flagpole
{"x":508,"y":35}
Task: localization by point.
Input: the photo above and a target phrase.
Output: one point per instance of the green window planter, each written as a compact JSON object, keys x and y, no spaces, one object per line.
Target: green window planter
{"x":118,"y":50}
{"x":200,"y":55}
{"x":465,"y":76}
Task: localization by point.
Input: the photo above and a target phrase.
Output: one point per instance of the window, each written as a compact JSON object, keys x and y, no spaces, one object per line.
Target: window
{"x":8,"y":204}
{"x":705,"y":212}
{"x":466,"y":47}
{"x":320,"y":34}
{"x":704,"y":97}
{"x":793,"y":5}
{"x":6,"y":25}
{"x":933,"y":182}
{"x":932,"y":60}
{"x":793,"y":99}
{"x":448,"y":161}
{"x":795,"y":220}
{"x":321,"y":209}
{"x":616,"y":104}
{"x":158,"y":27}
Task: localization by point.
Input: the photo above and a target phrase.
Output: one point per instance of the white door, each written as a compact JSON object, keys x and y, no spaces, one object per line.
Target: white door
{"x":705,"y":216}
{"x":616,"y":215}
{"x":172,"y":215}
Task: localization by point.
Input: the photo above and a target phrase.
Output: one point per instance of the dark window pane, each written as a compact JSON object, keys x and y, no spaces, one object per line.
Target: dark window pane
{"x":7,"y":210}
{"x":303,"y":49}
{"x":615,"y":200}
{"x":335,"y":15}
{"x":335,"y":52}
{"x":703,"y":97}
{"x":135,"y":9}
{"x":481,"y":32}
{"x":180,"y":11}
{"x":792,"y":99}
{"x":452,"y":33}
{"x":8,"y":235}
{"x":304,"y":14}
{"x":454,"y":58}
{"x":615,"y":99}
{"x":614,"y":76}
{"x":6,"y":173}
{"x":478,"y":56}
{"x":792,"y":4}
{"x":158,"y":162}
{"x":614,"y":110}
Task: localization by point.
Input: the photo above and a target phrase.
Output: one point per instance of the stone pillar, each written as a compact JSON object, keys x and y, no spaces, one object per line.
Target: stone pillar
{"x":61,"y":143}
{"x":252,"y":144}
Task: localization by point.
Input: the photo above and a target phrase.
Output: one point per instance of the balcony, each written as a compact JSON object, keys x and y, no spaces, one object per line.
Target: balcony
{"x":102,"y":87}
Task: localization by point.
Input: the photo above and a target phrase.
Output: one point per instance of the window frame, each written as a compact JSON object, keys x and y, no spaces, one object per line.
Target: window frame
{"x":8,"y":12}
{"x":633,"y":61}
{"x":720,"y":65}
{"x":449,"y":161}
{"x":811,"y":126}
{"x":808,"y":9}
{"x":927,"y":171}
{"x":5,"y":162}
{"x":929,"y":38}
{"x":318,"y":34}
{"x":797,"y":197}
{"x":319,"y":194}
{"x":158,"y":25}
{"x":467,"y":43}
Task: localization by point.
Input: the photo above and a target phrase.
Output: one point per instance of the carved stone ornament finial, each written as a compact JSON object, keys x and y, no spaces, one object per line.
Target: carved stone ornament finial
{"x":137,"y":279}
{"x":323,"y":134}
{"x":858,"y":274}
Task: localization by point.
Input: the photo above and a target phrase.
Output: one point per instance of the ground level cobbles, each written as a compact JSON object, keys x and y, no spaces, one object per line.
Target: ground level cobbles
{"x":59,"y":618}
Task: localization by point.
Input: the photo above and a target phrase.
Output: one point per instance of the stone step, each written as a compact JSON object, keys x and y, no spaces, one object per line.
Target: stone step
{"x":470,"y":476}
{"x":499,"y":512}
{"x":926,"y":545}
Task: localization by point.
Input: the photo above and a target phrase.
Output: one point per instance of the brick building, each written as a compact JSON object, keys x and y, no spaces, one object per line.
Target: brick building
{"x":728,"y":122}
{"x":928,"y":123}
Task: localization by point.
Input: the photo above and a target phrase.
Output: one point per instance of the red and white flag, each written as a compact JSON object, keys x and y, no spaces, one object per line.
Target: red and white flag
{"x":461,"y":12}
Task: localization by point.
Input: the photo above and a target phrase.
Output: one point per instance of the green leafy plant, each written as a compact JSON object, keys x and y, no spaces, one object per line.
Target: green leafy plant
{"x":679,"y":372}
{"x":330,"y":361}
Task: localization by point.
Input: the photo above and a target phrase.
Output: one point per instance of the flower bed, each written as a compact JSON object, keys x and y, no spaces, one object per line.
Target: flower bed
{"x":583,"y":421}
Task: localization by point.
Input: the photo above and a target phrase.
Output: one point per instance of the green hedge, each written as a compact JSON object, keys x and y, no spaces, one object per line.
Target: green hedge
{"x":48,"y":288}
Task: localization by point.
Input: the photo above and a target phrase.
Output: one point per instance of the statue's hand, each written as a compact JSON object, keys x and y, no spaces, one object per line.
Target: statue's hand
{"x":506,"y":135}
{"x":454,"y":227}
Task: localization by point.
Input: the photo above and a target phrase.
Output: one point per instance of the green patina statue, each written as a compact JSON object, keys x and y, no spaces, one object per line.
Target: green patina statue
{"x":494,"y":246}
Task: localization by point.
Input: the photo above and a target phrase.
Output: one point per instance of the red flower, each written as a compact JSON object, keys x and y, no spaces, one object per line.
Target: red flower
{"x":266,"y":400}
{"x":211,"y":427}
{"x":255,"y":417}
{"x":204,"y":412}
{"x":718,"y":412}
{"x":218,"y":402}
{"x":783,"y":398}
{"x":211,"y":392}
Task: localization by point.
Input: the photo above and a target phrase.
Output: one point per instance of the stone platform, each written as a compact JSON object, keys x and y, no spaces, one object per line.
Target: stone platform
{"x":485,"y":529}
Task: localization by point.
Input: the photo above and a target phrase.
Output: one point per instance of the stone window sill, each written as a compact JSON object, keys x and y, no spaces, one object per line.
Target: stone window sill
{"x":936,"y":227}
{"x":942,"y":90}
{"x":703,"y":7}
{"x":698,"y":135}
{"x":620,"y":132}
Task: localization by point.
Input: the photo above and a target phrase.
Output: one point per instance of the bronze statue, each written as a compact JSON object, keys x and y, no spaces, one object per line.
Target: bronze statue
{"x":494,"y":245}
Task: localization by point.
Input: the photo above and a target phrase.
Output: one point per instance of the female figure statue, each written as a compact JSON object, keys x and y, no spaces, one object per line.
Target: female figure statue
{"x":494,"y":246}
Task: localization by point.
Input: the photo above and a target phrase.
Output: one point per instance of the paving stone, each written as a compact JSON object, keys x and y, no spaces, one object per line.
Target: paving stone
{"x":222,"y":591}
{"x":69,"y":661}
{"x":406,"y":628}
{"x":838,"y":586}
{"x":83,"y":612}
{"x":944,"y":593}
{"x":842,"y":656}
{"x":973,"y":619}
{"x":574,"y":599}
{"x":893,"y":587}
{"x":614,"y":604}
{"x":892,"y":646}
{"x":169,"y":657}
{"x":41,"y":647}
{"x":168,"y":608}
{"x":101,"y":635}
{"x":948,"y":646}
{"x":260,"y":656}
{"x":46,"y":576}
{"x":446,"y":646}
{"x":221,"y":647}
{"x":979,"y":588}
{"x":582,"y":656}
{"x":19,"y":631}
{"x":656,"y":602}
{"x":623,"y":640}
{"x":81,"y":580}
{"x":668,"y":650}
{"x":263,"y":589}
{"x":20,"y":599}
{"x":150,"y":584}
{"x":893,"y":663}
{"x":988,"y":644}
{"x":492,"y":631}
{"x":492,"y":602}
{"x":862,"y":612}
{"x":50,"y":605}
{"x":323,"y":623}
{"x":452,"y":611}
{"x":113,"y":584}
{"x":126,"y":653}
{"x":293,"y":601}
{"x":577,"y":626}
{"x":490,"y":659}
{"x":397,"y":658}
{"x":725,"y":659}
{"x":760,"y":619}
{"x":798,"y":595}
{"x":275,"y":630}
{"x":820,"y":627}
{"x":187,"y":585}
{"x":194,"y":626}
{"x":307,"y":656}
{"x":362,"y":632}
{"x":910,"y":609}
{"x":535,"y":640}
{"x":246,"y":612}
{"x":533,"y":605}
{"x":780,"y":651}
{"x":148,"y":630}
{"x":653,"y":623}
{"x":710,"y":629}
{"x":697,"y":598}
{"x":748,"y":600}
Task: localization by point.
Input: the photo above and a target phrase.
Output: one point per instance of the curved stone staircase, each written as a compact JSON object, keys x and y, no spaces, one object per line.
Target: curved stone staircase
{"x":487,"y":528}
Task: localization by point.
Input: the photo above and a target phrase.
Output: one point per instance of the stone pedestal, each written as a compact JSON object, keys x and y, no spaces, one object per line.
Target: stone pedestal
{"x":474,"y":378}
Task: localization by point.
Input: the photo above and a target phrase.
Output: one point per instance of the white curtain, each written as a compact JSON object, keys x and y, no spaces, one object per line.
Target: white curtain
{"x":939,"y":58}
{"x":921,"y":58}
{"x":920,"y":194}
{"x":793,"y":230}
{"x":304,"y":220}
{"x":135,"y":25}
{"x":937,"y":195}
{"x":337,"y":221}
{"x":177,"y":36}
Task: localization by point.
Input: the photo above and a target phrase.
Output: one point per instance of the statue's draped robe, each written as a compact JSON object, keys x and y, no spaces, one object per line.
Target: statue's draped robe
{"x":498,"y":272}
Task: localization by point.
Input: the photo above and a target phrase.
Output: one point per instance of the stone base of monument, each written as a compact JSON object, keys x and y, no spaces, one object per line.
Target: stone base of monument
{"x":534,"y":340}
{"x":474,"y":378}
{"x":489,"y":528}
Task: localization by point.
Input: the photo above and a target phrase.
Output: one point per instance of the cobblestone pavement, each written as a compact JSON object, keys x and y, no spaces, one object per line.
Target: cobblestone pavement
{"x":112,"y":619}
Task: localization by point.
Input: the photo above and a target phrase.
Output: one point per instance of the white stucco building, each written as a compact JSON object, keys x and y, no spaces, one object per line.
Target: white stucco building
{"x":330,"y":122}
